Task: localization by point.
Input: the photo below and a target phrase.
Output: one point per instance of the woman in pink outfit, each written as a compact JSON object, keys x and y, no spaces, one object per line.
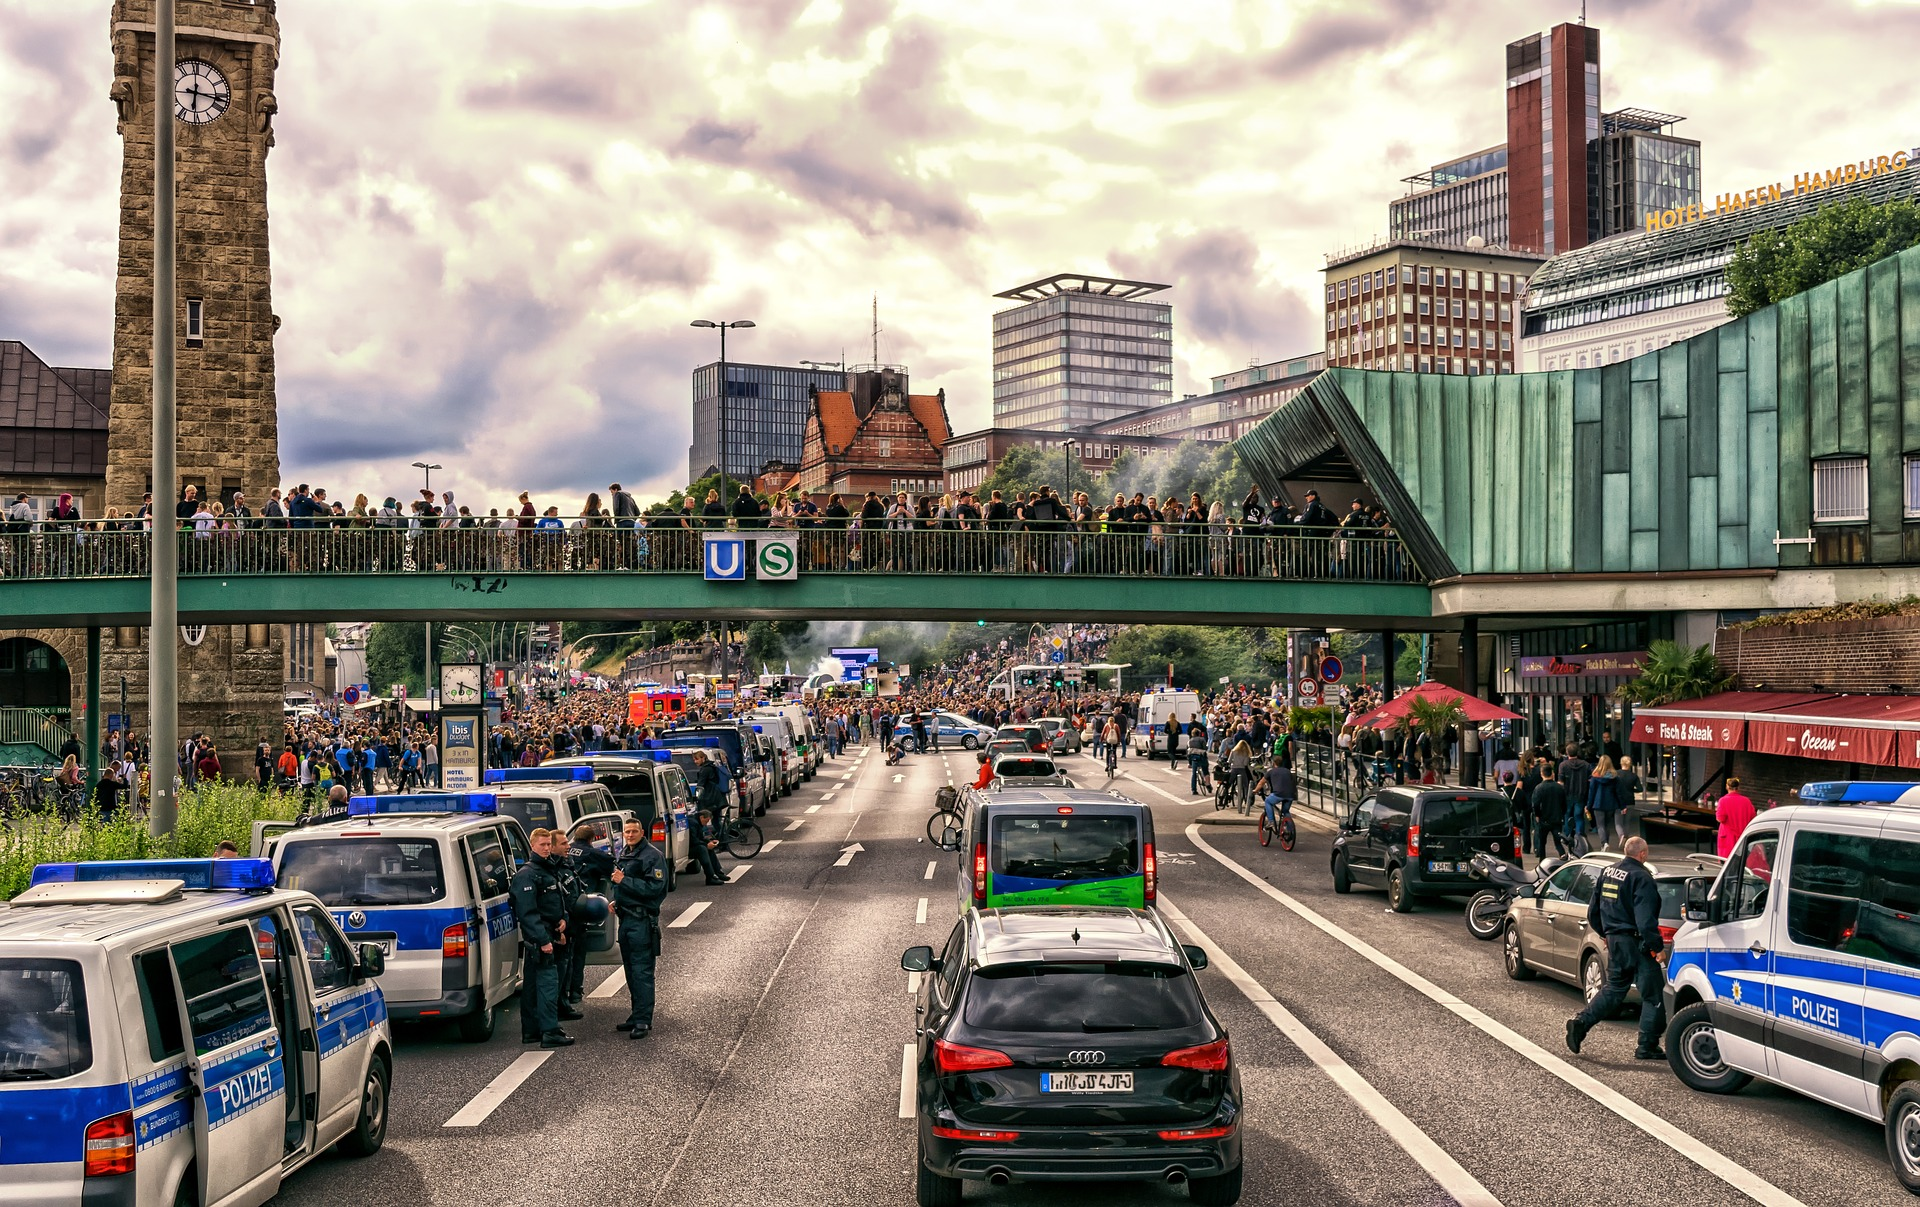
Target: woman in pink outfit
{"x":1734,"y":812}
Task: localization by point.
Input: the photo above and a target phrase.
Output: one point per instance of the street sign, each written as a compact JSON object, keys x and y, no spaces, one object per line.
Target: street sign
{"x":1330,"y":669}
{"x":1059,"y":656}
{"x":1058,"y":642}
{"x":776,"y":558}
{"x":1309,"y":690}
{"x":726,"y":558}
{"x":117,"y":722}
{"x":351,"y":695}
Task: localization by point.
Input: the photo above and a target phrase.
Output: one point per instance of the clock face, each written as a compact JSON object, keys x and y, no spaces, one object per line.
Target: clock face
{"x":459,"y":684}
{"x":200,"y":92}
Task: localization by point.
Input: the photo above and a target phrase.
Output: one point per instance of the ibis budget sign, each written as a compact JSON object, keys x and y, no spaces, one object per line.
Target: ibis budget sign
{"x":773,"y":556}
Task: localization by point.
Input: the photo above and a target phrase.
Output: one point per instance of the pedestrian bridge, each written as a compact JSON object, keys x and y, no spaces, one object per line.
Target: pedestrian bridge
{"x":78,"y":578}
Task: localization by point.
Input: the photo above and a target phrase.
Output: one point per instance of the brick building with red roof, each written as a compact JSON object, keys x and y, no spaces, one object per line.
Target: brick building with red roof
{"x":874,"y":436}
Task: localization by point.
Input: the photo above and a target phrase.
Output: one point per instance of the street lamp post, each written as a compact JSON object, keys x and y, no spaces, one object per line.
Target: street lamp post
{"x":1066,"y":447}
{"x":422,"y":465}
{"x":163,"y":655}
{"x":720,"y":418}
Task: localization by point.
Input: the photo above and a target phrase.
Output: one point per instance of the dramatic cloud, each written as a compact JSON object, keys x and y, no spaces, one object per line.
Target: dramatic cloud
{"x":493,"y":222}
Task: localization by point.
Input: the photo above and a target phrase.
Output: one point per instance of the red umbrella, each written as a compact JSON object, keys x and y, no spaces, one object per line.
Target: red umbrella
{"x":1474,"y":707}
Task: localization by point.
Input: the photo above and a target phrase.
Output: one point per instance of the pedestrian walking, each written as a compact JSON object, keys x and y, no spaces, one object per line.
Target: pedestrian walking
{"x":1549,"y":811}
{"x":639,"y":885}
{"x":1626,"y":910}
{"x":1734,"y":811}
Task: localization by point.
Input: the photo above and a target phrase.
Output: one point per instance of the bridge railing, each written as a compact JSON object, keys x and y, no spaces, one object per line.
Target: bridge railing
{"x":31,"y":727}
{"x":345,"y":549}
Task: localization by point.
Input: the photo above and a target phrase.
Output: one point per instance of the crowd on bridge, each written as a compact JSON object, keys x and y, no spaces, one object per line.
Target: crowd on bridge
{"x":302,"y":531}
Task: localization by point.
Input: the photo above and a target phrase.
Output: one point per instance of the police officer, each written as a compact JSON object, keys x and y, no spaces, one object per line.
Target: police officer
{"x":639,"y":885}
{"x":541,"y":906}
{"x":1626,"y":911}
{"x":591,"y":869}
{"x":706,"y":842}
{"x":571,"y":955}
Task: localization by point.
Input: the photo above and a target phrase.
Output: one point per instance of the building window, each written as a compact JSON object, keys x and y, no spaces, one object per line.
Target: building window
{"x":1330,"y":293}
{"x":1426,"y":335}
{"x":1506,"y":341}
{"x":1506,"y":312}
{"x":1473,"y":310}
{"x":1473,"y":340}
{"x":196,"y":321}
{"x":1840,"y":490}
{"x":1343,"y":290}
{"x":1473,"y":280}
{"x":1329,"y":320}
{"x":1459,"y":308}
{"x":1506,"y":282}
{"x":1426,"y":306}
{"x":1425,"y":277}
{"x":1390,"y":275}
{"x":1459,"y":278}
{"x":1912,"y":495}
{"x":1456,"y":338}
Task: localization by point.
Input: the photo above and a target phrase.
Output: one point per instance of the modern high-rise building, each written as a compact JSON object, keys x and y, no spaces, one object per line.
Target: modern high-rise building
{"x":1641,"y":166}
{"x":1414,"y":305}
{"x":1553,"y":113}
{"x":766,"y":412}
{"x":1080,"y":350}
{"x":1454,"y":201}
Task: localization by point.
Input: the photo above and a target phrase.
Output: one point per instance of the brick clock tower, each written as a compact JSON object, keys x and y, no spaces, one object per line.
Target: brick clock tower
{"x":226,"y":51}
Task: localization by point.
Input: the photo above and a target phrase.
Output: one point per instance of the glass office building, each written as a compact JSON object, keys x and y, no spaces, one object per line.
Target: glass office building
{"x":1080,"y":350}
{"x":1455,"y":201}
{"x":1639,"y":166}
{"x":766,"y":415}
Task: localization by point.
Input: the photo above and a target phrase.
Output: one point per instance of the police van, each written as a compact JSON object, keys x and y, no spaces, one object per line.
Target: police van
{"x":426,"y":878}
{"x":646,"y":783}
{"x":1815,"y":986}
{"x":181,"y":1031}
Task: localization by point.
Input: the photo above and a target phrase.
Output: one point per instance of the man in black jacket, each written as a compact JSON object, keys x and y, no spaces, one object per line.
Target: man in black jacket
{"x":746,"y":508}
{"x":1626,"y":911}
{"x":639,"y":886}
{"x":1549,"y":811}
{"x":1575,"y":772}
{"x":540,"y":903}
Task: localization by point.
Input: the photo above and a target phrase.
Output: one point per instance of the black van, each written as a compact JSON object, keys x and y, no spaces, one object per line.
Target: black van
{"x":1419,"y":841}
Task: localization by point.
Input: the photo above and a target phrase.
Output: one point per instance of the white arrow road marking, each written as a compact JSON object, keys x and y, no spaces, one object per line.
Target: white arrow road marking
{"x":488,"y":1100}
{"x":920,"y":914}
{"x":846,"y":855}
{"x":612,"y":985}
{"x":686,"y":917}
{"x":898,"y":778}
{"x":733,"y":877}
{"x":795,"y":824}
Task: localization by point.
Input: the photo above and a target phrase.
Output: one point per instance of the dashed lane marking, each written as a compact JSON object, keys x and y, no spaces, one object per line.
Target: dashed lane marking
{"x":612,"y":985}
{"x":498,"y":1090}
{"x":1453,"y":1178}
{"x":913,"y":983}
{"x":686,"y":918}
{"x":1700,"y":1153}
{"x":920,"y":914}
{"x":906,"y":1081}
{"x":771,"y":843}
{"x":795,"y":824}
{"x":931,"y":864}
{"x":813,"y":808}
{"x":829,"y":796}
{"x":733,"y":877}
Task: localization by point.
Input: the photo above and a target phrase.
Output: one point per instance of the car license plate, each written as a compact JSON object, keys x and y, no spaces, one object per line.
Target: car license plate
{"x":1438,"y":865}
{"x":1086,"y":1083}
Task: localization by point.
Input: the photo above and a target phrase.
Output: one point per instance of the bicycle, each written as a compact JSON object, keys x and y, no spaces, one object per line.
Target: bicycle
{"x":740,"y":838}
{"x":1281,"y":828}
{"x":944,"y":827}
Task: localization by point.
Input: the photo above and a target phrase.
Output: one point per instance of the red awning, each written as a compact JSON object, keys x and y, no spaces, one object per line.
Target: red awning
{"x":1845,"y":729}
{"x":1717,"y":722}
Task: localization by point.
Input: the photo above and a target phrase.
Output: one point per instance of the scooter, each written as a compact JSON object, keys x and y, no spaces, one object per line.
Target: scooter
{"x":1487,"y":908}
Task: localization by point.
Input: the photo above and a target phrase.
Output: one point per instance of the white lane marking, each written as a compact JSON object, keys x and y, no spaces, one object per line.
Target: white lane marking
{"x":846,"y":777}
{"x":931,"y":864}
{"x":1706,"y":1157}
{"x":920,"y":914}
{"x":686,"y":918}
{"x":488,"y":1100}
{"x":913,"y":983}
{"x":846,"y":855}
{"x":826,"y":796}
{"x":1453,"y":1178}
{"x":612,"y":985}
{"x":771,"y":843}
{"x":795,"y":824}
{"x":733,"y":877}
{"x":813,"y":808}
{"x":906,"y":1081}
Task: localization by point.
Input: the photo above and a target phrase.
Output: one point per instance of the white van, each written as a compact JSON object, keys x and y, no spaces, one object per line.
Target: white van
{"x":1801,"y":964}
{"x":1151,"y":717}
{"x":805,"y":733}
{"x":778,"y":730}
{"x":181,"y":1031}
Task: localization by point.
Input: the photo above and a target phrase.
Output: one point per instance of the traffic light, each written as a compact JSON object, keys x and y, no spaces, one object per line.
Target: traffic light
{"x":1027,"y":679}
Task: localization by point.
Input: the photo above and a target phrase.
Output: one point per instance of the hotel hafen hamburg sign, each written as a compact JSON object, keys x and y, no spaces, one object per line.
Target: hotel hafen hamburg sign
{"x":774,"y":556}
{"x":1803,"y":182}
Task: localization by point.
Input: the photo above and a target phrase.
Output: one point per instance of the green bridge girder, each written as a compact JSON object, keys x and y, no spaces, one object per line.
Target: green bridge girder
{"x":282,"y":598}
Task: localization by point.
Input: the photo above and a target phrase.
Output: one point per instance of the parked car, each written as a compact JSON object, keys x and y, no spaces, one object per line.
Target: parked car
{"x":1547,"y":932}
{"x":1417,"y":841}
{"x":1033,"y":735}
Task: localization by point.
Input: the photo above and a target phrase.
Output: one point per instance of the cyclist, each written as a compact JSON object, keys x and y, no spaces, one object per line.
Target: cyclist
{"x":1281,"y":790}
{"x":986,"y":771}
{"x":1110,"y":738}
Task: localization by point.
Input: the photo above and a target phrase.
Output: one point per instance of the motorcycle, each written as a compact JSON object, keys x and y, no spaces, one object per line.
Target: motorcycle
{"x":1487,"y":908}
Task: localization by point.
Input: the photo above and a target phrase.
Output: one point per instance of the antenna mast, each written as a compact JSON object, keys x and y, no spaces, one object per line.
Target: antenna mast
{"x":876,"y":328}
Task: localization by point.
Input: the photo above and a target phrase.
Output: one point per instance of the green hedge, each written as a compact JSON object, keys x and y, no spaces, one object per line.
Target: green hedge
{"x":208,"y":814}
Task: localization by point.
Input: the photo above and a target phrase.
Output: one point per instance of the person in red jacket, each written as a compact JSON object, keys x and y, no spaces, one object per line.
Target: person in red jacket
{"x":986,"y":771}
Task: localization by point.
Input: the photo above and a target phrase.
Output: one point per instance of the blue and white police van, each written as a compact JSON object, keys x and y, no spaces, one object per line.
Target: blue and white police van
{"x":426,"y":877}
{"x":181,"y":1031}
{"x":1800,"y":963}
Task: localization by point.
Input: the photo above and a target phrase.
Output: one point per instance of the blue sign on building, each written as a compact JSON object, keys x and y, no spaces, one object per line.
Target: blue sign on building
{"x":726,"y":558}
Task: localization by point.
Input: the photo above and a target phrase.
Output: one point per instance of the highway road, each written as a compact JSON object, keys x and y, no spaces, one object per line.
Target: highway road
{"x":1386,"y":1058}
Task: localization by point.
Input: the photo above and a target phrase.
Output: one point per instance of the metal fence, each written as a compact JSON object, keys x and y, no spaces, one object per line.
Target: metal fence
{"x":31,"y":727}
{"x":98,"y":552}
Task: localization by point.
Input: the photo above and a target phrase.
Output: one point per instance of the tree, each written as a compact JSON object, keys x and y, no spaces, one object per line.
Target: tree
{"x":1187,"y":472}
{"x":1829,"y":243}
{"x":1434,"y":717}
{"x":1022,"y":469}
{"x":1675,"y":672}
{"x":396,"y":653}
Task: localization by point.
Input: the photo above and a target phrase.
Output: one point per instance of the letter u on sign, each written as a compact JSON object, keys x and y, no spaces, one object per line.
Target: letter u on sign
{"x":726,"y":559}
{"x":777,"y":560}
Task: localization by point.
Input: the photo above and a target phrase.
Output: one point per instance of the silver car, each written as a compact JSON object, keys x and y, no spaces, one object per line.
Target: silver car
{"x":1062,"y":737}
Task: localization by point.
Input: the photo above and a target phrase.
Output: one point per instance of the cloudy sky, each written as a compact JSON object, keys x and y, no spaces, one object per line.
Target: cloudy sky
{"x":492,"y":221}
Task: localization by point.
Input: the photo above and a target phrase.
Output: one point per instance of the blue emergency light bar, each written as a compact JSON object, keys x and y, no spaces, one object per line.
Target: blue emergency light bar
{"x":688,"y":742}
{"x":524,"y":775}
{"x":241,"y":875}
{"x":1859,"y":792}
{"x":425,"y":802}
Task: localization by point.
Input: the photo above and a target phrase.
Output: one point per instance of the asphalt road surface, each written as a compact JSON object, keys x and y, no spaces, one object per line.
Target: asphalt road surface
{"x":1386,"y":1059}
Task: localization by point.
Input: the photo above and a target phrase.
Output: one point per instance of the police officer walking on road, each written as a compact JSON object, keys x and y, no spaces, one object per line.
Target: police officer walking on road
{"x":541,"y":906}
{"x":1626,"y":911}
{"x":639,"y":885}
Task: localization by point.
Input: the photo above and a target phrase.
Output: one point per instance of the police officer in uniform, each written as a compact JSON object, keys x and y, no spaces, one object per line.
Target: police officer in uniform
{"x":639,"y":885}
{"x":571,"y":956}
{"x":541,"y":906}
{"x":1626,"y":911}
{"x":591,"y":869}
